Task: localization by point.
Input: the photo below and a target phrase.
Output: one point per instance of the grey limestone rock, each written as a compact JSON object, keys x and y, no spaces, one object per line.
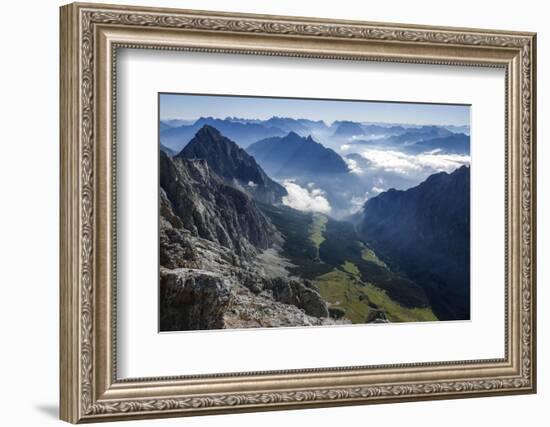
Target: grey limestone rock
{"x":192,"y":299}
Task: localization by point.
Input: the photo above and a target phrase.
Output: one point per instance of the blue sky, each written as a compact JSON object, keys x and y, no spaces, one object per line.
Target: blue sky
{"x":180,"y":106}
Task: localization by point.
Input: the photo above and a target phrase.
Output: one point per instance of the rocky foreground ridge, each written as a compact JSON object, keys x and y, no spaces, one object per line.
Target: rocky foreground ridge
{"x":220,"y":266}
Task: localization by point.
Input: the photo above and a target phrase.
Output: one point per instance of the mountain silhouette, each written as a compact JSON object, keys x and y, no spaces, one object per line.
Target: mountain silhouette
{"x":293,"y":155}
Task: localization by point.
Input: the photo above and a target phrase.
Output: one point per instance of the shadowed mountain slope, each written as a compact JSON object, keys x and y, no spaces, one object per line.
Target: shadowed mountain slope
{"x":426,"y":231}
{"x":294,"y":155}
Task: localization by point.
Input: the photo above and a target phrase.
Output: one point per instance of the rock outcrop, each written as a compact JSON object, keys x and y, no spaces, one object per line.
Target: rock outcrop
{"x":196,"y":299}
{"x":192,"y":299}
{"x":302,"y":294}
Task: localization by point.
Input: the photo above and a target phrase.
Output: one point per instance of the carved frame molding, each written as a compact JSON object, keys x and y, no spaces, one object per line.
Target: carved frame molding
{"x":90,"y":36}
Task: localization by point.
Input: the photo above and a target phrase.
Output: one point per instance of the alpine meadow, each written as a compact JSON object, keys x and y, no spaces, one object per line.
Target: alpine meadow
{"x":284,"y":212}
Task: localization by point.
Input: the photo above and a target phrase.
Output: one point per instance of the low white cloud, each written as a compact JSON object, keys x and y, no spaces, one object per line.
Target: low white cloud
{"x":358,"y":201}
{"x":252,"y":184}
{"x":345,"y":147}
{"x":377,"y":190}
{"x":354,"y":166}
{"x":305,"y":199}
{"x":405,"y":164}
{"x":443,"y":162}
{"x":369,"y":137}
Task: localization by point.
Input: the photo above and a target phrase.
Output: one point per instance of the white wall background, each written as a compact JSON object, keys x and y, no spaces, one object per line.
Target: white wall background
{"x":29,"y":170}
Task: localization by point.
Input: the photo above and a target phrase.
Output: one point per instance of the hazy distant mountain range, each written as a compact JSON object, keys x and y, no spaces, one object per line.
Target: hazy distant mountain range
{"x":456,"y":143}
{"x":174,"y":133}
{"x":423,"y":139}
{"x":344,"y":162}
{"x":245,"y":133}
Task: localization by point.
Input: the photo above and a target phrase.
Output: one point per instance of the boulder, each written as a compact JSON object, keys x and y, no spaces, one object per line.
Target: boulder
{"x":300,"y":294}
{"x":192,"y":300}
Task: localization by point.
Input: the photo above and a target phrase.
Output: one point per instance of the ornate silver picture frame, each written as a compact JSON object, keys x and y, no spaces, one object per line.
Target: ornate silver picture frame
{"x":91,"y":36}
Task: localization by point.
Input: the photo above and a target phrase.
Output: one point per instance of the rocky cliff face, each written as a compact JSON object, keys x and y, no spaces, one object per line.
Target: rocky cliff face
{"x":426,"y":231}
{"x":233,"y":164}
{"x":212,"y":274}
{"x":209,"y":208}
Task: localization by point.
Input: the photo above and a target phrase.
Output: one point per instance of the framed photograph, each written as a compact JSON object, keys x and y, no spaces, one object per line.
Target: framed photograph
{"x":267,"y":212}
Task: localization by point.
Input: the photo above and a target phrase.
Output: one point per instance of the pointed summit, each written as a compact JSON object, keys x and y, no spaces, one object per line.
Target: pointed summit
{"x":233,"y":164}
{"x":242,"y":131}
{"x":208,"y":132}
{"x":293,"y":155}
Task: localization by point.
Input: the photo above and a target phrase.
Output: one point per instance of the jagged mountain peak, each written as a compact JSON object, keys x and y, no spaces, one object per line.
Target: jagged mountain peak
{"x":233,"y":164}
{"x":207,"y":140}
{"x":292,"y":137}
{"x":294,"y":155}
{"x":209,"y":131}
